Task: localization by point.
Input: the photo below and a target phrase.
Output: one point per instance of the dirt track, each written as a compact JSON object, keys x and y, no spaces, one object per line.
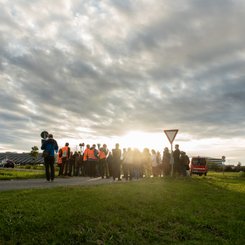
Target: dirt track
{"x":7,"y":185}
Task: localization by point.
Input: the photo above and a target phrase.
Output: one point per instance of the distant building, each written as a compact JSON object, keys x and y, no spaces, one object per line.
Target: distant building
{"x":21,"y":158}
{"x":214,"y":161}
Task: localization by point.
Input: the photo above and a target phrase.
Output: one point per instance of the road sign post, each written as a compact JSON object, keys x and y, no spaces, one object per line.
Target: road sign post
{"x":171,"y":134}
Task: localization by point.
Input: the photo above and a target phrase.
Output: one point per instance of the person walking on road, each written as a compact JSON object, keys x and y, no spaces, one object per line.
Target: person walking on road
{"x":49,"y":146}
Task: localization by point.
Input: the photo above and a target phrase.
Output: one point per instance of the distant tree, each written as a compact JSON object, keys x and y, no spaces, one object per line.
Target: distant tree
{"x":238,"y":166}
{"x":34,"y":153}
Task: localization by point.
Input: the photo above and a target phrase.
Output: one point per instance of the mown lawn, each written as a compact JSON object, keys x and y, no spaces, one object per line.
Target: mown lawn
{"x":8,"y":174}
{"x":197,"y":210}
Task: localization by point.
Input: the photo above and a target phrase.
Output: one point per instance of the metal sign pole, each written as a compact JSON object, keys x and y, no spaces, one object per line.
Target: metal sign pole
{"x":171,"y":134}
{"x":172,"y":160}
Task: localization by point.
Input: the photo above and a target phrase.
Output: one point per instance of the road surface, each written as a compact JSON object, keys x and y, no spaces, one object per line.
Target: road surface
{"x":7,"y":185}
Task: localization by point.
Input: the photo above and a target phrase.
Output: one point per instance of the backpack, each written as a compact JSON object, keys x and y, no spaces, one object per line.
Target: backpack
{"x":60,"y":152}
{"x":45,"y":153}
{"x":48,"y":150}
{"x":64,"y":154}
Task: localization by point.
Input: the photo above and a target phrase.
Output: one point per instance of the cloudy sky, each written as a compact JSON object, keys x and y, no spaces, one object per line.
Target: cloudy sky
{"x":109,"y":70}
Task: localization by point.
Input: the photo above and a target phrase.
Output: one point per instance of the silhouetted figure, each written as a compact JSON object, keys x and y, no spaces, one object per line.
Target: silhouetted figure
{"x":116,"y":165}
{"x":146,"y":161}
{"x":128,"y":162}
{"x":154,"y":163}
{"x":110,"y":164}
{"x":184,"y":163}
{"x":176,"y":156}
{"x":166,"y":162}
{"x":85,"y":160}
{"x":103,"y":166}
{"x":50,"y":146}
{"x":65,"y":158}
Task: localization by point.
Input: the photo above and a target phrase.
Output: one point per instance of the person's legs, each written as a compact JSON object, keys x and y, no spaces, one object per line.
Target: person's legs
{"x":90,"y":168}
{"x":107,"y":173}
{"x":125,"y":171}
{"x":118,"y":170}
{"x":63,"y":166}
{"x":47,"y":172}
{"x":66,"y":166}
{"x":46,"y":163}
{"x":51,"y":168}
{"x":60,"y":167}
{"x":113,"y":168}
{"x":94,"y":169}
{"x":71,"y":167}
{"x":101,"y":170}
{"x":183,"y":167}
{"x":131,"y":171}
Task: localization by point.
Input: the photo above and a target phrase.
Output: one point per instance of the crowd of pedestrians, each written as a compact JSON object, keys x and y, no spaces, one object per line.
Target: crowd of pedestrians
{"x":98,"y":161}
{"x":129,"y":163}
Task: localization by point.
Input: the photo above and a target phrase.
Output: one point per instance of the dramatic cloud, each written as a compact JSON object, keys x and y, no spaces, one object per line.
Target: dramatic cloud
{"x":99,"y":69}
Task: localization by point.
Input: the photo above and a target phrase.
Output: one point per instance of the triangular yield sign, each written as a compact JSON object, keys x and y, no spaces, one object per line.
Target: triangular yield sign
{"x":171,"y":133}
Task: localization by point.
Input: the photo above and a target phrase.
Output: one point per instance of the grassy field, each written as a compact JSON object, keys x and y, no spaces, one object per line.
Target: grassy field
{"x":23,"y":172}
{"x":197,"y":210}
{"x":8,"y":174}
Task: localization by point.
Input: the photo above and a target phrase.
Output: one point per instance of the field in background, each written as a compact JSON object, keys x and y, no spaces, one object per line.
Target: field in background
{"x":23,"y":172}
{"x":197,"y":210}
{"x":8,"y":174}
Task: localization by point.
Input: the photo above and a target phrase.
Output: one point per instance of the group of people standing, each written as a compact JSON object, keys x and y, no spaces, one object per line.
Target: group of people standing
{"x":91,"y":162}
{"x":181,"y":162}
{"x":96,"y":161}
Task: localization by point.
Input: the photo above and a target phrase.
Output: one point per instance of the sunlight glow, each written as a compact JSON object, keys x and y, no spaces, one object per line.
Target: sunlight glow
{"x":158,"y":141}
{"x":141,"y":140}
{"x":133,"y":139}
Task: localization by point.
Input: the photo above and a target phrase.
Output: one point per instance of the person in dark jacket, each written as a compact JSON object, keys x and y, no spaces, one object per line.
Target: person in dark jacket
{"x":116,"y":156}
{"x":49,"y":146}
{"x":184,"y":163}
{"x":176,"y":156}
{"x":166,"y":162}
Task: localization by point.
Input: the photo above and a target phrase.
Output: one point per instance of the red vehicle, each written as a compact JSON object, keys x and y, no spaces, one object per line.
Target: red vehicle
{"x":198,"y":165}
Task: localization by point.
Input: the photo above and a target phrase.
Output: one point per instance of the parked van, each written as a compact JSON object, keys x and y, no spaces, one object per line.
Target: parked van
{"x":198,"y":165}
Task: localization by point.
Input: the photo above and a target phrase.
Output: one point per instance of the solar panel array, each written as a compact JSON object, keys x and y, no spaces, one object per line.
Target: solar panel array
{"x":21,"y":158}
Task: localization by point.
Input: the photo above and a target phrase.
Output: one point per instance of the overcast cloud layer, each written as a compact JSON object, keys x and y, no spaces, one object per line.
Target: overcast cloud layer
{"x":95,"y":68}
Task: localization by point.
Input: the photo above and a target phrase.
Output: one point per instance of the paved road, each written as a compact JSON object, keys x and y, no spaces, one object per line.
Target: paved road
{"x":6,"y":185}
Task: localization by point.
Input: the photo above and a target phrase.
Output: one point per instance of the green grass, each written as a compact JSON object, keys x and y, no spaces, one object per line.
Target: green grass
{"x":197,"y":210}
{"x":23,"y":172}
{"x":20,"y":174}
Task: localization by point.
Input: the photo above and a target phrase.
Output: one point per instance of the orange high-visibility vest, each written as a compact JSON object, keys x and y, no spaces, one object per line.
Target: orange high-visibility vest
{"x":91,"y":155}
{"x":65,"y":152}
{"x":59,"y":159}
{"x":85,"y":154}
{"x":102,"y":155}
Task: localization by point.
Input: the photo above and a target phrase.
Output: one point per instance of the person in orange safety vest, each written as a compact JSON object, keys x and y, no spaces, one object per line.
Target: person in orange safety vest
{"x":85,"y":160}
{"x":103,"y":167}
{"x":65,"y":159}
{"x":92,"y":161}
